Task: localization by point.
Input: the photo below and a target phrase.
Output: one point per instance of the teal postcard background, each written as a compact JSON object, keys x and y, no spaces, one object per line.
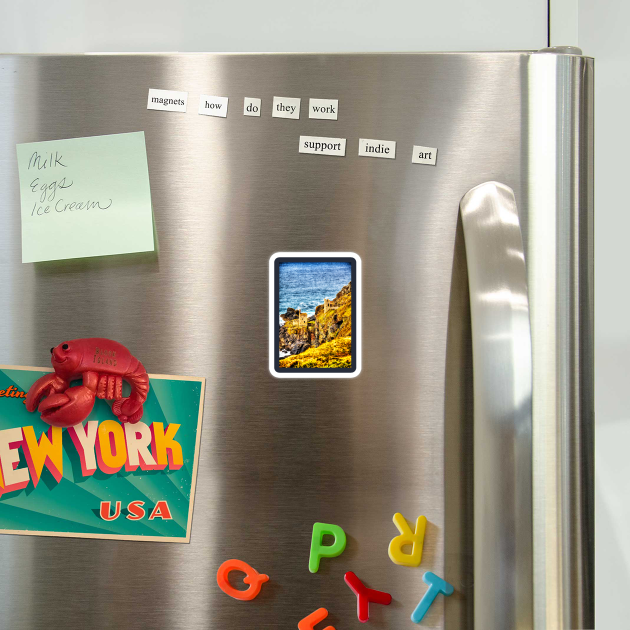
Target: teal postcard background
{"x":72,"y":505}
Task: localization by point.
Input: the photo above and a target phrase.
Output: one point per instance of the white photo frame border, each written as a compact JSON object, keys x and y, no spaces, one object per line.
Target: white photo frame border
{"x":358,"y":316}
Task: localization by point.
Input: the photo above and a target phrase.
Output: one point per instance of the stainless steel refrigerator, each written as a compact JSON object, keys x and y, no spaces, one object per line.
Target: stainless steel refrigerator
{"x":474,"y":402}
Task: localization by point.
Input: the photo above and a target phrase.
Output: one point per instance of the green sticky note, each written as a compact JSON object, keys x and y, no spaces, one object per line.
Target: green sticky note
{"x":85,"y":197}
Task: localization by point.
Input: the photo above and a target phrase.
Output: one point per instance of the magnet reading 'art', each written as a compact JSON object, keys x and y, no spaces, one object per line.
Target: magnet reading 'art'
{"x":102,"y":364}
{"x":319,"y":550}
{"x":252,"y":577}
{"x":407,"y":537}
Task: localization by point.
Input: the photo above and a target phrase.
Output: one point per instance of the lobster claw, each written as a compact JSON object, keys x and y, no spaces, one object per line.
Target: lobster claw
{"x":43,"y":386}
{"x":128,"y":410}
{"x":68,"y":408}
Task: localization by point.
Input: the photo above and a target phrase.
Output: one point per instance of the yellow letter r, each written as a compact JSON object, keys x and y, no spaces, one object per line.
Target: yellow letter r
{"x":407,"y":537}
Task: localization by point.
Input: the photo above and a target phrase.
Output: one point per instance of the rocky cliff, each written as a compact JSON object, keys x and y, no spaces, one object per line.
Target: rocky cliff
{"x":326,"y":339}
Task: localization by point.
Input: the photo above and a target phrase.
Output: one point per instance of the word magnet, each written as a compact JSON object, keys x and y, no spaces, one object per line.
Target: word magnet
{"x":377,"y":148}
{"x":319,"y":550}
{"x":323,"y":108}
{"x":322,"y":146}
{"x":167,"y":100}
{"x":251,"y":106}
{"x":213,"y":106}
{"x":424,"y":155}
{"x":285,"y":107}
{"x":407,"y":537}
{"x":252,"y":577}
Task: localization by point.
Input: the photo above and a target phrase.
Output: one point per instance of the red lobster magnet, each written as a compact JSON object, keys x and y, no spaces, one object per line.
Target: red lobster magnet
{"x":102,"y":364}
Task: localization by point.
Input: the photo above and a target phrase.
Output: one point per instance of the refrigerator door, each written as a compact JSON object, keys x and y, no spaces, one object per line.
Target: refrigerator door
{"x":278,"y":455}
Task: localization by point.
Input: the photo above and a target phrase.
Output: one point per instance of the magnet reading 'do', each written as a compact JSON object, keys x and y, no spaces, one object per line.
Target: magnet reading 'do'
{"x":315,"y":315}
{"x":102,"y":364}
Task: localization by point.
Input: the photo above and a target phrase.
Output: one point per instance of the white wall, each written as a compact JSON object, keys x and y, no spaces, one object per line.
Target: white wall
{"x":270,"y":25}
{"x":604,"y":29}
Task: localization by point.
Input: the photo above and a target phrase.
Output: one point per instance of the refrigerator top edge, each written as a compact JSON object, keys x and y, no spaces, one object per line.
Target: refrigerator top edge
{"x":467,"y":53}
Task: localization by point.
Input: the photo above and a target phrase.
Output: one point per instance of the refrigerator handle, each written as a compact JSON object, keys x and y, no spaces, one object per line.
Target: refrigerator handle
{"x":502,"y":374}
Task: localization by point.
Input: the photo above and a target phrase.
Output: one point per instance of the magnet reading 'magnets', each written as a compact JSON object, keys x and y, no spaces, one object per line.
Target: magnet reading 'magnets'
{"x":102,"y":364}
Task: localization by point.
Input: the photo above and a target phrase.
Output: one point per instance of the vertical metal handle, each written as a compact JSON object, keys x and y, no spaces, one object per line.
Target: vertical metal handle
{"x":502,"y":373}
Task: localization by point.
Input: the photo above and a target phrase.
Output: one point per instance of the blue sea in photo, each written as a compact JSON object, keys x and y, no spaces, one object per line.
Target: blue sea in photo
{"x":304,"y":285}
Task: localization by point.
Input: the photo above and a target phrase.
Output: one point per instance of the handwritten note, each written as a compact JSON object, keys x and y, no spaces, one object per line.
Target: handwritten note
{"x":85,"y":197}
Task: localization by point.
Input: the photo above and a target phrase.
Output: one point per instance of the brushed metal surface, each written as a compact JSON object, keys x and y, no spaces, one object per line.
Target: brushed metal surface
{"x":560,"y":276}
{"x":276,"y":455}
{"x":502,"y":369}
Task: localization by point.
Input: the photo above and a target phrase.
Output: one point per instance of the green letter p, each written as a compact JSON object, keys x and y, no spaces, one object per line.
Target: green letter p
{"x":319,"y":551}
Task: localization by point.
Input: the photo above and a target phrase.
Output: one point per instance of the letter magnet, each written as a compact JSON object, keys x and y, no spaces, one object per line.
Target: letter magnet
{"x":319,"y":551}
{"x":407,"y":537}
{"x":252,"y":577}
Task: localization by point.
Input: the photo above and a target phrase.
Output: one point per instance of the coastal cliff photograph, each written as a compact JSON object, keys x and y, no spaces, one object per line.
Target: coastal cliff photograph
{"x":315,"y":302}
